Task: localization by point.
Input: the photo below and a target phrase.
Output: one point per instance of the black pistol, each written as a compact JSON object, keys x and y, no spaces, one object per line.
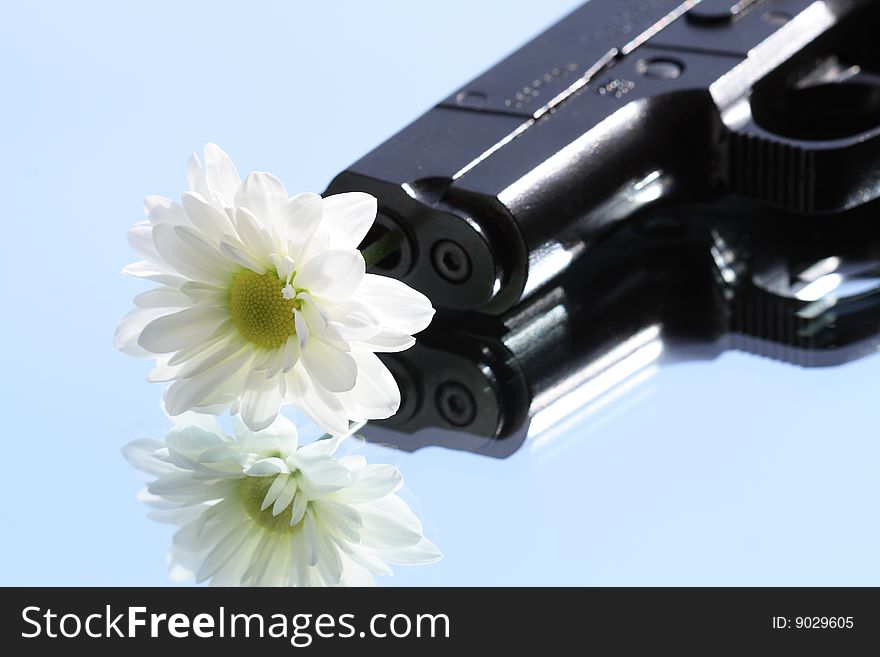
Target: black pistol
{"x":623,"y":106}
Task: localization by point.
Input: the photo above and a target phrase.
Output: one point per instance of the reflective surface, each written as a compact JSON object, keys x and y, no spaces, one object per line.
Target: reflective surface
{"x":664,"y":455}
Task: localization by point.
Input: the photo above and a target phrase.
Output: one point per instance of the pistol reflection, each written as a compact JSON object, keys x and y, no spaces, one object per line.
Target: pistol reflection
{"x":674,"y":284}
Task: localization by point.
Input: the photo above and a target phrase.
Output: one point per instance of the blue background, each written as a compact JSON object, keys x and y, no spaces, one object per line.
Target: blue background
{"x":738,"y":470}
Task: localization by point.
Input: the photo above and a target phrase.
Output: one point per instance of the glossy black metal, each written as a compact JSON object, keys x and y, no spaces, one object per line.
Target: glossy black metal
{"x":621,"y":106}
{"x":681,"y":282}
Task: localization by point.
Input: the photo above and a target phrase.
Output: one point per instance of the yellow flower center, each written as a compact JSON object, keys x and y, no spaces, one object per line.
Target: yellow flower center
{"x":259,"y":310}
{"x":253,"y":491}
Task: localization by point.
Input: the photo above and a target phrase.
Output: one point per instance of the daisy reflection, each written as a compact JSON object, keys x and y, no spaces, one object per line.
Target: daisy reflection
{"x":260,"y":509}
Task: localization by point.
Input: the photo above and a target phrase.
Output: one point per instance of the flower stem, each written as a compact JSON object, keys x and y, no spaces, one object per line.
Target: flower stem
{"x":387,"y":244}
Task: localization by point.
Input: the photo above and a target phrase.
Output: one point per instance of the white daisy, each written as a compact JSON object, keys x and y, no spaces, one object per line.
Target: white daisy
{"x":261,"y":510}
{"x":264,"y":301}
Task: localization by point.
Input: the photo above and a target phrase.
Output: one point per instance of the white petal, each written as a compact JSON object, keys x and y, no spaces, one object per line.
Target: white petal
{"x":162,"y":297}
{"x":263,"y":359}
{"x":220,"y":519}
{"x":283,"y":430}
{"x":161,"y":210}
{"x":344,"y":519}
{"x":220,"y":455}
{"x":317,"y":321}
{"x":223,"y":551}
{"x":353,"y":321}
{"x":291,"y":354}
{"x":372,"y":482}
{"x":389,"y":522}
{"x":130,"y":328}
{"x":153,"y":272}
{"x":141,"y":454}
{"x":322,"y":475}
{"x":369,"y":560}
{"x":375,"y":395}
{"x":204,"y":216}
{"x":253,"y":234}
{"x":332,"y":369}
{"x":181,"y":329}
{"x":278,"y":438}
{"x":175,"y":516}
{"x":195,"y":178}
{"x":220,"y":172}
{"x":320,"y":449}
{"x":354,"y":574}
{"x":302,"y":329}
{"x":263,"y":194}
{"x":299,"y":550}
{"x":186,"y":394}
{"x":274,"y":491}
{"x":348,"y":217}
{"x":179,"y":569}
{"x":218,"y":353}
{"x":301,"y":216}
{"x":204,"y":422}
{"x":270,"y":362}
{"x":332,"y":275}
{"x":388,"y":340}
{"x":311,"y":532}
{"x":261,"y":400}
{"x":208,"y":254}
{"x":183,"y":486}
{"x":242,"y":257}
{"x":329,"y":564}
{"x":298,"y":508}
{"x":219,"y":401}
{"x":140,"y":238}
{"x":284,"y":265}
{"x":322,"y":407}
{"x":423,"y":552}
{"x":396,"y":304}
{"x":260,"y":561}
{"x":162,"y":371}
{"x":191,"y":263}
{"x":353,"y":461}
{"x":233,"y":569}
{"x":280,"y":568}
{"x":196,"y":438}
{"x":203,"y":292}
{"x":212,"y":470}
{"x":225,"y":331}
{"x":285,"y":498}
{"x":267,"y":467}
